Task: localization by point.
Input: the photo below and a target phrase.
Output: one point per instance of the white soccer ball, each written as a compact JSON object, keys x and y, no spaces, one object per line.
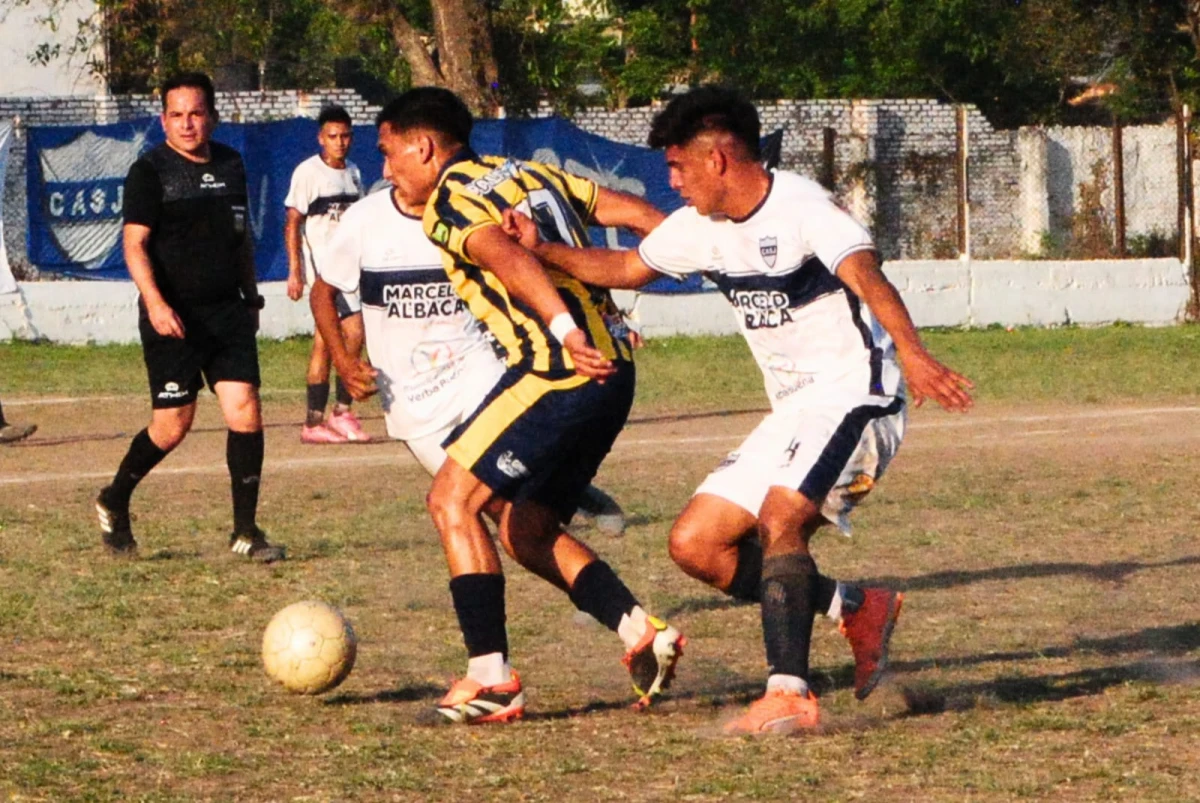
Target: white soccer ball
{"x":309,"y":647}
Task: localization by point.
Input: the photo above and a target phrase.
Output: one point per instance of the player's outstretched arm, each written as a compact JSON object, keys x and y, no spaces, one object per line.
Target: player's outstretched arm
{"x":926,"y":377}
{"x":358,"y":376}
{"x":525,"y":279}
{"x":136,"y":244}
{"x":626,"y":211}
{"x":602,"y":267}
{"x":295,"y":256}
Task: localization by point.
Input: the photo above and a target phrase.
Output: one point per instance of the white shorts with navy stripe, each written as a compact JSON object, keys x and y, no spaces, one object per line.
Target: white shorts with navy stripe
{"x":832,"y":454}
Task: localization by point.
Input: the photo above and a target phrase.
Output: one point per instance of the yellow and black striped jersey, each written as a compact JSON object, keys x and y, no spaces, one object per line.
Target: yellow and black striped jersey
{"x":472,"y":192}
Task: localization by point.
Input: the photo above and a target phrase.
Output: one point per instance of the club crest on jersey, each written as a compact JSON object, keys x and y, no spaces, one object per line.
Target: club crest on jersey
{"x":441,"y":233}
{"x":768,"y":247}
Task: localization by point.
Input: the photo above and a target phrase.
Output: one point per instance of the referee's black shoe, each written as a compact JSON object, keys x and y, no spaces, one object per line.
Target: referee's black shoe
{"x":254,"y":545}
{"x":114,"y":524}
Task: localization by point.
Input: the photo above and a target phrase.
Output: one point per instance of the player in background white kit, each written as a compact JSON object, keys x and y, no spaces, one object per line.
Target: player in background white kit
{"x":835,"y":345}
{"x":430,"y":358}
{"x":323,"y":187}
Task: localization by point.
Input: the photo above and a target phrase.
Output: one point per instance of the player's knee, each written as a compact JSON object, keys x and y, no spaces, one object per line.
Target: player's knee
{"x":685,"y":545}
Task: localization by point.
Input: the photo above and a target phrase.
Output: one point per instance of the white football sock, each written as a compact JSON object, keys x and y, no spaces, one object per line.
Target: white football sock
{"x":489,"y":670}
{"x":632,"y":627}
{"x":835,"y":607}
{"x":787,"y":683}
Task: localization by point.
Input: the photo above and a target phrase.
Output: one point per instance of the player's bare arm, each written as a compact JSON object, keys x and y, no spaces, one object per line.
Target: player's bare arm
{"x":357,"y":375}
{"x":292,"y":243}
{"x":602,"y":267}
{"x":136,"y":241}
{"x":525,"y":279}
{"x":626,"y":211}
{"x":925,"y":376}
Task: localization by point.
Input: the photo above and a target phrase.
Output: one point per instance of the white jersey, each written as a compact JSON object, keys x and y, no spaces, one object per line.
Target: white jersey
{"x":432,"y":355}
{"x":812,"y":337}
{"x":321,"y":193}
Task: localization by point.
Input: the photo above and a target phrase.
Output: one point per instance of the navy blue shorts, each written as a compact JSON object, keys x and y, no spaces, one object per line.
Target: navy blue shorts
{"x":542,"y":440}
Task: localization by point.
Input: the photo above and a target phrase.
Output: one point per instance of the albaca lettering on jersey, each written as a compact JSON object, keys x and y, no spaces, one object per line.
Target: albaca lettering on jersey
{"x":763,"y":309}
{"x":424,"y":300}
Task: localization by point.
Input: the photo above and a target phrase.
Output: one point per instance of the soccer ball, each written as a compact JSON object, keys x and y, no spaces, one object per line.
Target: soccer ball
{"x":309,"y":647}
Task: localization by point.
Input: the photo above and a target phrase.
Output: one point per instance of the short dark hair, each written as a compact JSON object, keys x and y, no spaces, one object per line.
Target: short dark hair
{"x":191,"y":80}
{"x":706,"y":108}
{"x":429,"y":107}
{"x":334,"y":114}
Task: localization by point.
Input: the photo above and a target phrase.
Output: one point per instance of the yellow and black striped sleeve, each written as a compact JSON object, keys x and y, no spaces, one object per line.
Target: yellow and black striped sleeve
{"x":455,"y":213}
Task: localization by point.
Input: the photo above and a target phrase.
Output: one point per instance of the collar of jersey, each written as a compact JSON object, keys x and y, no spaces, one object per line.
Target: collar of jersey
{"x":760,"y":204}
{"x":464,"y":155}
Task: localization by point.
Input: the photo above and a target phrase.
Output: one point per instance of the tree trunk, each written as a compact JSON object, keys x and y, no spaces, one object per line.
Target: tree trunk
{"x":463,"y":31}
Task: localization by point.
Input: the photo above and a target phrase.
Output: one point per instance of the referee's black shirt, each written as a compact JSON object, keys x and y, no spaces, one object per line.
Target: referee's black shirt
{"x":197,"y":218}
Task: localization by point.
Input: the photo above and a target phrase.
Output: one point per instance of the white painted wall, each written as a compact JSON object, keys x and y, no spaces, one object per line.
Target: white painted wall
{"x":938,"y":293}
{"x":21,"y":33}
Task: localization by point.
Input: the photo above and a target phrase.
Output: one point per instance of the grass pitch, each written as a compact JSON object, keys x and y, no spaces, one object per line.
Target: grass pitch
{"x":1049,"y":647}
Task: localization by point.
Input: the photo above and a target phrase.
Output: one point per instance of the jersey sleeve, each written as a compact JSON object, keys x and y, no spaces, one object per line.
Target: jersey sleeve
{"x":830,"y":232}
{"x":300,"y":192}
{"x":581,"y":192}
{"x":676,"y":247}
{"x":142,"y":196}
{"x":341,"y":259}
{"x":454,"y":213}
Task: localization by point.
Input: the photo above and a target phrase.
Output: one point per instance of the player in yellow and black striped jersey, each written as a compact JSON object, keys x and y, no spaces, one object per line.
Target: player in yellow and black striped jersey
{"x":474,"y":191}
{"x":537,"y":439}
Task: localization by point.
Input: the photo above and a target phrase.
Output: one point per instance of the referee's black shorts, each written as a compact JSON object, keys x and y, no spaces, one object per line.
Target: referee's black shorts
{"x":219,"y":345}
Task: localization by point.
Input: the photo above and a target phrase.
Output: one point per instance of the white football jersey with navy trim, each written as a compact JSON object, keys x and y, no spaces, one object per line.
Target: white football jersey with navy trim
{"x":431,"y":352}
{"x":321,"y":193}
{"x":812,"y":337}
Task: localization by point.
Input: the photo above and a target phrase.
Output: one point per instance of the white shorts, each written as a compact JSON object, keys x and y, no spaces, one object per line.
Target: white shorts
{"x":833,"y":455}
{"x":347,"y":304}
{"x":428,"y":448}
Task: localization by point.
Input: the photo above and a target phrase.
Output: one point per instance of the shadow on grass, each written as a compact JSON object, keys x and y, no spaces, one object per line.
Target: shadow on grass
{"x":1116,"y":573}
{"x":407,"y":694}
{"x":926,"y":699}
{"x":679,"y":417}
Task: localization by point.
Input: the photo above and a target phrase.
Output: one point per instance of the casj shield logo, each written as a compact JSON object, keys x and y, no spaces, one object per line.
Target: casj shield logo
{"x":83,"y":192}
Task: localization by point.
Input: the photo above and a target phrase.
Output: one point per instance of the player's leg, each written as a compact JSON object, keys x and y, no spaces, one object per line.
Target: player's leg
{"x":11,"y":433}
{"x":316,"y":380}
{"x":173,"y":368}
{"x":562,"y":443}
{"x":342,"y":420}
{"x":491,"y":691}
{"x":716,"y":541}
{"x":233,"y":374}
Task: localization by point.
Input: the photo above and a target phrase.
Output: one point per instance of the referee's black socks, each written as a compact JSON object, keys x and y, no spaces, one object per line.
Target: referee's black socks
{"x":143,"y":455}
{"x":244,"y":455}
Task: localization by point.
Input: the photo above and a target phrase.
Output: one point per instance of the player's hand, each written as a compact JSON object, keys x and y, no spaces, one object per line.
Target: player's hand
{"x":929,"y":379}
{"x":635,"y":339}
{"x":520,"y":228}
{"x":164,"y":320}
{"x":295,"y":285}
{"x":359,"y":378}
{"x":588,"y":361}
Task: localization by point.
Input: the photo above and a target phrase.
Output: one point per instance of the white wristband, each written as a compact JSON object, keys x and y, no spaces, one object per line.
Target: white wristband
{"x":562,"y":325}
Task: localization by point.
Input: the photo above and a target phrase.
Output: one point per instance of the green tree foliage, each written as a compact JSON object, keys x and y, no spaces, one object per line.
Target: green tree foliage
{"x":1021,"y":61}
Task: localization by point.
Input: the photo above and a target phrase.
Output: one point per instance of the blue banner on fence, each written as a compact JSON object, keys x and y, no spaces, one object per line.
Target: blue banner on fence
{"x":75,"y":176}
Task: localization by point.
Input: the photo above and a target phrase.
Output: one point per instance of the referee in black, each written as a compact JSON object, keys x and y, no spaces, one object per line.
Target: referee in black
{"x":190,"y":253}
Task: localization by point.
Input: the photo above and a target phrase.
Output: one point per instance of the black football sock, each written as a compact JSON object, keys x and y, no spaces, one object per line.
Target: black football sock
{"x":2,"y":421}
{"x":598,"y":591}
{"x":342,"y":393}
{"x":244,"y":456}
{"x":788,"y":585}
{"x":318,"y":398}
{"x":143,"y":455}
{"x":479,"y":604}
{"x":746,"y":584}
